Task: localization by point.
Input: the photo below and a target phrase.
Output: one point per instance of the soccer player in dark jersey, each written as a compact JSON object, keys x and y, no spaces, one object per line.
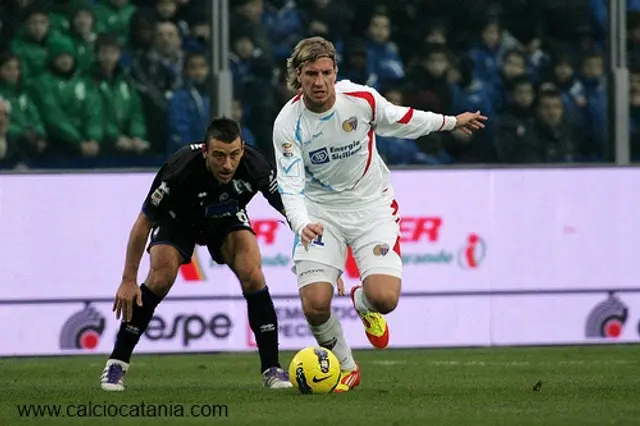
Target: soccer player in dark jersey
{"x":199,"y":197}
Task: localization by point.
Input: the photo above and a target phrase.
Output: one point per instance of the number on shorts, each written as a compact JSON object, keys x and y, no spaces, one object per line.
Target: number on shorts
{"x":242,"y":217}
{"x":318,"y":241}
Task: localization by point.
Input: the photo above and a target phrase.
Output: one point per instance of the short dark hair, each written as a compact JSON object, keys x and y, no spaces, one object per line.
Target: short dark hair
{"x":193,"y":55}
{"x":548,"y":94}
{"x":7,"y":56}
{"x":223,"y":129}
{"x":107,"y":40}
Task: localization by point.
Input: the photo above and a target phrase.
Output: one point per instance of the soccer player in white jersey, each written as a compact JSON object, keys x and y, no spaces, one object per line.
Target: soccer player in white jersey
{"x":337,"y":193}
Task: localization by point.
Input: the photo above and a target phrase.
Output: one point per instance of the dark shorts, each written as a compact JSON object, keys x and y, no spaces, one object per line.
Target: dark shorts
{"x":169,"y":233}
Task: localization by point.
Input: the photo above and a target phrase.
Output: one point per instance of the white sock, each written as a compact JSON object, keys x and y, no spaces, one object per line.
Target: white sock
{"x":330,"y":335}
{"x":362,"y":303}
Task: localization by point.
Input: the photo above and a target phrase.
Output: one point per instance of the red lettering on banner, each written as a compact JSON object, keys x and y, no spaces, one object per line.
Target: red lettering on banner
{"x":265,"y":229}
{"x":412,"y":229}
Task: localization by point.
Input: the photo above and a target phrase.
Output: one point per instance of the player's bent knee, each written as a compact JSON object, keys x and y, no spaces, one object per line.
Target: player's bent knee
{"x":165,"y":263}
{"x":316,"y":302}
{"x":251,"y":277}
{"x":161,"y":279}
{"x":383,"y":292}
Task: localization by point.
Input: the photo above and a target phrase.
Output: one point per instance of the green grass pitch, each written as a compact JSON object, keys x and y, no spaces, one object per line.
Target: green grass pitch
{"x":595,"y":385}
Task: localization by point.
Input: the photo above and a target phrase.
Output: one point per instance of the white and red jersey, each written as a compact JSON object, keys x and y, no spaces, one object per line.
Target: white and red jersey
{"x":331,"y":160}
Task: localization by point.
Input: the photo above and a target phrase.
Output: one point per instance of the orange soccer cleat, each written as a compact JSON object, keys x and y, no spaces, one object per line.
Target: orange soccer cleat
{"x":375,"y":326}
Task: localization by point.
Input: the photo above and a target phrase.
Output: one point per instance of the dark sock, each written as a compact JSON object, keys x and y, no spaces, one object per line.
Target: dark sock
{"x":130,"y":332}
{"x":264,"y":324}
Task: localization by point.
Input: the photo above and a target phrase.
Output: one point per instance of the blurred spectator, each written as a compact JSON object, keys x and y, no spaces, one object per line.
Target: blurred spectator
{"x":61,"y":13}
{"x":593,"y":80}
{"x":157,"y":74}
{"x":633,"y":35}
{"x":382,"y":53}
{"x":487,"y":54}
{"x":12,"y":15}
{"x":9,"y":147}
{"x":436,"y":34}
{"x":253,"y":77}
{"x":427,"y":84}
{"x":113,"y":16}
{"x":26,"y":127}
{"x":515,"y":125}
{"x":472,"y":94}
{"x":141,"y":34}
{"x":190,"y":106}
{"x":247,"y":17}
{"x":237,"y":114}
{"x":123,"y":121}
{"x":33,"y":42}
{"x":329,"y":16}
{"x":68,"y":104}
{"x":513,"y":65}
{"x":566,"y":79}
{"x":557,"y":139}
{"x":284,"y":23}
{"x":356,"y":65}
{"x":199,"y":38}
{"x":84,"y":35}
{"x":167,"y":10}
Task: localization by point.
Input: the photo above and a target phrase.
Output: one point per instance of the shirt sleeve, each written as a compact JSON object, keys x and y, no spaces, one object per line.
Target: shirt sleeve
{"x":406,"y":122}
{"x":291,"y":178}
{"x":158,"y":201}
{"x":268,"y":186}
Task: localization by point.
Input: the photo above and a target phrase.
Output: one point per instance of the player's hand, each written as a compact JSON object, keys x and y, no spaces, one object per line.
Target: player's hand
{"x":469,"y":122}
{"x":340,"y":285}
{"x":310,"y":233}
{"x":140,"y":145}
{"x":124,"y":143}
{"x":127,"y":294}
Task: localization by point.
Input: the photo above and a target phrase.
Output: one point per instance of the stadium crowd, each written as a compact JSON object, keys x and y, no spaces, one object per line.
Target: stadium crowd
{"x":122,"y":83}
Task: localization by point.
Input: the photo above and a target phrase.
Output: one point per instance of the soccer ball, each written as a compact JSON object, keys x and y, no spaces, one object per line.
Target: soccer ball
{"x":314,"y":370}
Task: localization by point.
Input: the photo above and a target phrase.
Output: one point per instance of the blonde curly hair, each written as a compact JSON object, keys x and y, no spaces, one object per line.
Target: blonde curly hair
{"x":308,"y":50}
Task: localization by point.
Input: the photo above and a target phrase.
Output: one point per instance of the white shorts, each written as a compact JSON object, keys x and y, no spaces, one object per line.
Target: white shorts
{"x":372,"y":234}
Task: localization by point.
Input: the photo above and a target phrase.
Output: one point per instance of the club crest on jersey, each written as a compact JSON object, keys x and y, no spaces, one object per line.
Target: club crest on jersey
{"x":350,"y":124}
{"x":287,"y":149}
{"x":381,"y":250}
{"x":319,"y":156}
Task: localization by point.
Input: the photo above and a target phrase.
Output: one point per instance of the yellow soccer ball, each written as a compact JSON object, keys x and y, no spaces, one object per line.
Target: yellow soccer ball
{"x":314,"y":370}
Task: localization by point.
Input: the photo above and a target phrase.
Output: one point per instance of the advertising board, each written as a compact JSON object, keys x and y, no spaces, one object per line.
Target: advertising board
{"x":482,"y":249}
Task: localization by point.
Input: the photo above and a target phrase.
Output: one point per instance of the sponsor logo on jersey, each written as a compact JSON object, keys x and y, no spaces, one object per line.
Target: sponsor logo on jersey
{"x":345,"y":151}
{"x":350,"y":124}
{"x":319,"y":156}
{"x":159,"y":194}
{"x":287,"y":149}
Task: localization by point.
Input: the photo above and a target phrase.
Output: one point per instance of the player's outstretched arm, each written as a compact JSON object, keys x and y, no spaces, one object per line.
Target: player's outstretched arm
{"x":406,"y":122}
{"x":129,"y":292}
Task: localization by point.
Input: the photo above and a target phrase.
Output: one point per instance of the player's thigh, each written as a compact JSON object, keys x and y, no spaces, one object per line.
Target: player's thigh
{"x":328,"y":249}
{"x":237,"y":247}
{"x":315,"y":285}
{"x":168,"y":249}
{"x":378,"y":257}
